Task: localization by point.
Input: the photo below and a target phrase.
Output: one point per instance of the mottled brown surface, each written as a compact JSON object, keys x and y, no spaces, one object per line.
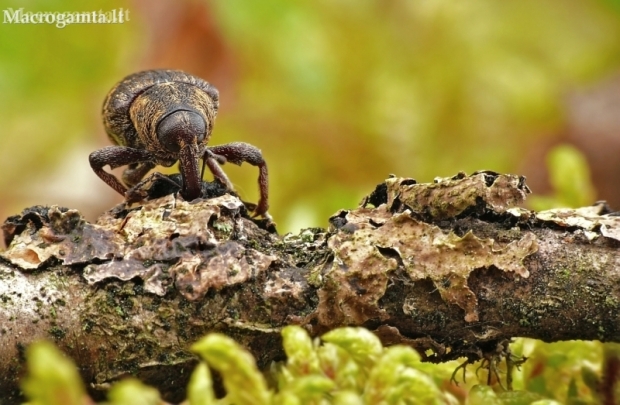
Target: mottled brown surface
{"x":129,"y":294}
{"x":135,"y":104}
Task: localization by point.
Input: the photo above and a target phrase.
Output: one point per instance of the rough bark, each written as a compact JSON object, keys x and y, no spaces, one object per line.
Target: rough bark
{"x":450,"y":268}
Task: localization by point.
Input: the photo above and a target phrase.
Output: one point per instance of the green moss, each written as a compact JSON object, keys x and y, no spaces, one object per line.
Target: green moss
{"x":315,"y":278}
{"x":611,"y":301}
{"x":57,"y":333}
{"x":346,"y":366}
{"x":87,"y":325}
{"x":223,"y":226}
{"x":307,"y":236}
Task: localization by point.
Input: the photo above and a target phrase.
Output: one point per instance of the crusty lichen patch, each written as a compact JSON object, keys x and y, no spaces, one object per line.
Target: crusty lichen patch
{"x":592,"y":221}
{"x":165,"y":241}
{"x":450,"y":197}
{"x":375,"y":245}
{"x":369,"y":243}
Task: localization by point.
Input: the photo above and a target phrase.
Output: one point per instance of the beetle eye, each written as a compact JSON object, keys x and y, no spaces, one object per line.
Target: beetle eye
{"x":180,"y":128}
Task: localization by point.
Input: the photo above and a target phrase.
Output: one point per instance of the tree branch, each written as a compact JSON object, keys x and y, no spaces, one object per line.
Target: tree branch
{"x":450,"y":268}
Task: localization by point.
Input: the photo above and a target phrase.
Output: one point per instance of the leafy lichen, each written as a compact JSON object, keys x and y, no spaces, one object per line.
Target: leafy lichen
{"x":371,"y":242}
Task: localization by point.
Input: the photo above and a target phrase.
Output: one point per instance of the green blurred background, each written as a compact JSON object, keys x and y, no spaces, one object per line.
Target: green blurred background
{"x":338,"y":94}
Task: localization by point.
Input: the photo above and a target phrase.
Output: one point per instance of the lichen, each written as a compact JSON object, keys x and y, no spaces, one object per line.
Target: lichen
{"x":592,"y":221}
{"x":165,"y":242}
{"x":358,"y":276}
{"x":450,"y":197}
{"x":371,"y":242}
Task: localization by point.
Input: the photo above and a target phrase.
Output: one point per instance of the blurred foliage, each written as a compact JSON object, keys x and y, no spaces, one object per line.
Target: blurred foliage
{"x":337,"y":94}
{"x":237,"y":367}
{"x":133,"y":392}
{"x":347,"y":366}
{"x":52,"y":378}
{"x":570,"y":178}
{"x":52,"y":83}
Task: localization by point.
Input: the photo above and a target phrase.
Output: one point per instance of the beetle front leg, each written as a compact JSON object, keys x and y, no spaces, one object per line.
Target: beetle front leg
{"x":116,"y":156}
{"x":237,"y":153}
{"x":135,"y":172}
{"x":213,"y":162}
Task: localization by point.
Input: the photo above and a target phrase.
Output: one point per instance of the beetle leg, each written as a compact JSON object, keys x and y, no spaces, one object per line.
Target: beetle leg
{"x":135,"y":172}
{"x":213,"y":163}
{"x":211,"y":160}
{"x":116,"y":156}
{"x":237,"y":153}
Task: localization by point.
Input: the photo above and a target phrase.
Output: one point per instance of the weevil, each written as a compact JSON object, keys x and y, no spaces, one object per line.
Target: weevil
{"x":159,"y":117}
